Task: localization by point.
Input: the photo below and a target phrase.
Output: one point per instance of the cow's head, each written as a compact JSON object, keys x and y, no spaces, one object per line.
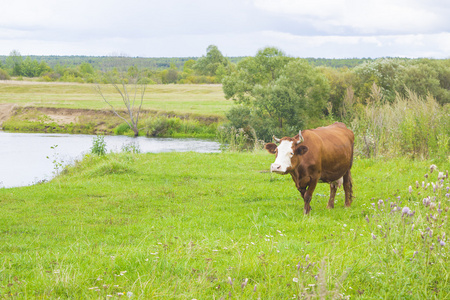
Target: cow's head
{"x":288,"y":153}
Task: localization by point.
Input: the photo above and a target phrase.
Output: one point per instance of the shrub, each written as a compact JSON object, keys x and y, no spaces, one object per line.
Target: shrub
{"x":175,"y":127}
{"x":4,"y":75}
{"x":98,"y":145}
{"x":122,"y":129}
{"x":162,"y":126}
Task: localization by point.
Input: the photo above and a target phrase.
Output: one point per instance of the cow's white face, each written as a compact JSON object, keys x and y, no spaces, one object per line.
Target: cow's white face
{"x":285,"y":152}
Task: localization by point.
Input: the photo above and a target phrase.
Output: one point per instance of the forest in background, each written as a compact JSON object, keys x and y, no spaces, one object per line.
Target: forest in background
{"x":159,"y":70}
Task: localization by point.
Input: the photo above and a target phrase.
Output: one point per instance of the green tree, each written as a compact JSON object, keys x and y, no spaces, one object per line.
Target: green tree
{"x":208,"y":65}
{"x":14,"y":63}
{"x":340,"y":81}
{"x":86,"y":68}
{"x":425,"y":76}
{"x":281,"y":92}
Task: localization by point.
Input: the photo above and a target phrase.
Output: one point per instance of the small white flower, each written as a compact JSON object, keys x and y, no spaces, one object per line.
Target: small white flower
{"x":129,"y":294}
{"x":295,"y":279}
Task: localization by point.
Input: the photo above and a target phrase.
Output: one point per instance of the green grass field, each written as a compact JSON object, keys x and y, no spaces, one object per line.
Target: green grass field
{"x":219,"y":226}
{"x":181,"y":99}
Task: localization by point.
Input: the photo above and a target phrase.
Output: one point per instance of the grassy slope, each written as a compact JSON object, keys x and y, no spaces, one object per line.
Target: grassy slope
{"x":197,"y":99}
{"x":181,"y":225}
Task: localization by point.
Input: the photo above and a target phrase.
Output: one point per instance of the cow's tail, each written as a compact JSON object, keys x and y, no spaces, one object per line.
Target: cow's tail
{"x":348,"y":183}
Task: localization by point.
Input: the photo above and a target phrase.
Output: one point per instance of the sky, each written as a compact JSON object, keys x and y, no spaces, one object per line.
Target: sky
{"x":179,"y":28}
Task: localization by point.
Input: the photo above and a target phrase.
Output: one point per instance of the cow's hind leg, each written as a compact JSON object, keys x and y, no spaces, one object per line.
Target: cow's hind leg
{"x":333,"y":189}
{"x":348,"y":188}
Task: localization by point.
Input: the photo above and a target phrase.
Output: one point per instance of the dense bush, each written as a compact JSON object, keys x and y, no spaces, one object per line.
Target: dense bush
{"x":163,"y":126}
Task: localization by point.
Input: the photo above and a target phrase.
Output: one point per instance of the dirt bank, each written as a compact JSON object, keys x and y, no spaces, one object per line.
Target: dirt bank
{"x":49,"y":119}
{"x":6,"y":111}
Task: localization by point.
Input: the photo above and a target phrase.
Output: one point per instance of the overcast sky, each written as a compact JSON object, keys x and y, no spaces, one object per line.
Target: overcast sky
{"x":177,"y":28}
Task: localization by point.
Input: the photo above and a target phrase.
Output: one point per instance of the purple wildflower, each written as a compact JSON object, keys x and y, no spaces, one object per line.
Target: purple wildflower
{"x":244,"y":283}
{"x":405,"y":211}
{"x":230,"y":281}
{"x":433,"y":168}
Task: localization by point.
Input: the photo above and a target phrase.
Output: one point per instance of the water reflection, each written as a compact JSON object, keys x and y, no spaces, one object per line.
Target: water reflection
{"x":26,"y":158}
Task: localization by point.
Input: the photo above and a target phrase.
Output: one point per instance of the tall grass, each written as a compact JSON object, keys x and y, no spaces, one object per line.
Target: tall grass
{"x":411,"y":126}
{"x":238,"y":140}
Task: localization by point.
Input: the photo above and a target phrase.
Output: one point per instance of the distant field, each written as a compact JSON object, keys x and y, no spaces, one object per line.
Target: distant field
{"x":195,"y":99}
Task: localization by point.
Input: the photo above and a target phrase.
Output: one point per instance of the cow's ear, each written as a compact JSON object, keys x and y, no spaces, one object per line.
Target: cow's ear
{"x":302,"y":149}
{"x":270,"y":147}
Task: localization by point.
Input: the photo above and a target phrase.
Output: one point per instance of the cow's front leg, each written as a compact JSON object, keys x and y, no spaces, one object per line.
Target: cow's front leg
{"x":308,"y":195}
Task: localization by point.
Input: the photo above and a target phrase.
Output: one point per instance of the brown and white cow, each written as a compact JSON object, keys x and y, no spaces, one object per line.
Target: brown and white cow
{"x":324,"y":154}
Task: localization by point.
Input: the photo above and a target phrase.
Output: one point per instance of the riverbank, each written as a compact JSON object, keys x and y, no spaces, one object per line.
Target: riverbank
{"x":89,"y":121}
{"x":77,"y":108}
{"x":29,"y":158}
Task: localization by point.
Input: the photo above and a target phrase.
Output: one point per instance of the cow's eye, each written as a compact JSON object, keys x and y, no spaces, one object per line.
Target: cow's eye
{"x":292,"y":153}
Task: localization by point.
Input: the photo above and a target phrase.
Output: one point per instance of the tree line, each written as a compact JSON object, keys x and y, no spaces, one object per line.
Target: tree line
{"x":161,"y":70}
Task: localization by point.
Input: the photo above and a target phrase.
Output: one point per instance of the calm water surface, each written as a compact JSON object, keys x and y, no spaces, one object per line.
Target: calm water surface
{"x":23,"y":156}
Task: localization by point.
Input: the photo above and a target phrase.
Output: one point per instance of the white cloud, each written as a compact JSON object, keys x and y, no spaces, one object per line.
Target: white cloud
{"x":319,"y":28}
{"x":365,"y":17}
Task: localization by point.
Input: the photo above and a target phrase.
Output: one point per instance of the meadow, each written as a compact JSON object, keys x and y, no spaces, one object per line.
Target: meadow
{"x":180,"y":99}
{"x":220,"y":226}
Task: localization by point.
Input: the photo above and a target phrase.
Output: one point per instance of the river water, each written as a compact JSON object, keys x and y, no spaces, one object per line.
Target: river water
{"x":27,"y":158}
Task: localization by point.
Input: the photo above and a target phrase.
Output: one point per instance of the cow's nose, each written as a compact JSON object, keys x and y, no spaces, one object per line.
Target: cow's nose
{"x":275,"y":167}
